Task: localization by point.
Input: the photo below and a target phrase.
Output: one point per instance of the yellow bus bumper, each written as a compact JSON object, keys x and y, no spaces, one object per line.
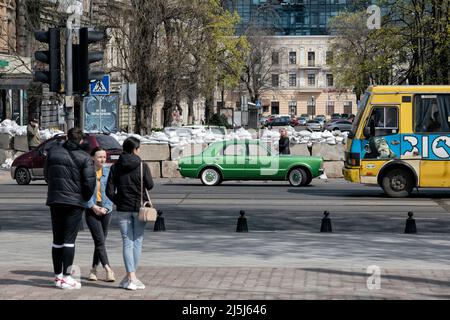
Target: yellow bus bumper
{"x":351,"y":175}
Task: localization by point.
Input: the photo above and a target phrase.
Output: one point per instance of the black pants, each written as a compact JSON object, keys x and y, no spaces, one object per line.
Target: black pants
{"x":98,"y":225}
{"x":65,"y":224}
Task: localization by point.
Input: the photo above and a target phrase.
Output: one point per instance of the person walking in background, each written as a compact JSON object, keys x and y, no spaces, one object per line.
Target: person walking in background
{"x":71,"y":182}
{"x":124,"y":189}
{"x":283,"y":143}
{"x":98,"y":216}
{"x":33,"y":135}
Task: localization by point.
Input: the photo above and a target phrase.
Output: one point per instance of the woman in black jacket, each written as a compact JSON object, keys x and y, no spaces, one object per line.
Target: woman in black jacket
{"x":124,"y":189}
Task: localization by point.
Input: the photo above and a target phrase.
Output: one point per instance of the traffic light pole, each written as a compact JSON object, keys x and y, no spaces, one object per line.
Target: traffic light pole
{"x":69,"y":99}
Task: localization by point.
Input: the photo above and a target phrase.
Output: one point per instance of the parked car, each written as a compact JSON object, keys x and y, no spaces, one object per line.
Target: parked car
{"x":248,"y":160}
{"x":335,"y":116}
{"x":314,"y":125}
{"x":321,"y":119}
{"x":30,"y":165}
{"x":294,"y":122}
{"x":262,"y":120}
{"x":342,"y":125}
{"x":306,"y":116}
{"x":302,"y":121}
{"x":280,"y":121}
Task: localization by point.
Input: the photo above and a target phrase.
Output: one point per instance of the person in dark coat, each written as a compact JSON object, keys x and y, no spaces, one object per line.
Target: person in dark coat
{"x":283,"y":144}
{"x":124,"y":190}
{"x":71,"y":179}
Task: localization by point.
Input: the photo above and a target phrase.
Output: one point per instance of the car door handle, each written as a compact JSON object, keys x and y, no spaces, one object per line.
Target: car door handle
{"x":395,"y":142}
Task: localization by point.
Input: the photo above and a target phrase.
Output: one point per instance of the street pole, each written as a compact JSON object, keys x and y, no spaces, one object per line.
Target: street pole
{"x":72,"y":21}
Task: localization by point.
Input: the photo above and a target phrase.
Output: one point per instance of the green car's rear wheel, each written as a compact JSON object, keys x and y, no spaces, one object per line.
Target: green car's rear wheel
{"x":297,"y":177}
{"x":210,"y":177}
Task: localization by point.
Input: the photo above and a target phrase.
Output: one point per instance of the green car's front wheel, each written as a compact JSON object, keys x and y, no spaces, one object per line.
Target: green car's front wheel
{"x":298,"y":177}
{"x":210,"y":177}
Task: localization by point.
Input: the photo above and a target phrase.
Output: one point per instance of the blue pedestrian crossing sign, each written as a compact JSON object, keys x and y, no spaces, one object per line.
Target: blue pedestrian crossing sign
{"x":100,"y":87}
{"x":258,"y":104}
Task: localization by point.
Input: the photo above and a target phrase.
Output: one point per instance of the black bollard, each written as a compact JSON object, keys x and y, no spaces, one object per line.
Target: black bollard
{"x":326,"y":223}
{"x":410,"y":224}
{"x":159,"y":223}
{"x":242,"y":223}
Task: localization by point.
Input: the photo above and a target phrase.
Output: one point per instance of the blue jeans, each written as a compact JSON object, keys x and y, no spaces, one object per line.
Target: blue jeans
{"x":132,"y":231}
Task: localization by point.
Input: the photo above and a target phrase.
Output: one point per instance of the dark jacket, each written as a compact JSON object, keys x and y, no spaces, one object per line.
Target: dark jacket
{"x":70,"y":174}
{"x":283,"y":146}
{"x":124,"y":183}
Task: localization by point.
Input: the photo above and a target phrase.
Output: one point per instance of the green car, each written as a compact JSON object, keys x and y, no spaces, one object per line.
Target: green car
{"x":248,"y":160}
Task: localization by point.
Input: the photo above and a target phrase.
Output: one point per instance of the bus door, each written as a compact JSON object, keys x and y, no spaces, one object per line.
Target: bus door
{"x":381,"y":142}
{"x":432,"y":131}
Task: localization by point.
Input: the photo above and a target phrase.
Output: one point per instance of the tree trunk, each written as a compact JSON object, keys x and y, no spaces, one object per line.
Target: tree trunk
{"x":167,"y":109}
{"x":191,"y":115}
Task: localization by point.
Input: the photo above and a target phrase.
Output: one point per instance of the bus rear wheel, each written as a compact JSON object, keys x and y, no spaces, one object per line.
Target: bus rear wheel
{"x":398,"y":183}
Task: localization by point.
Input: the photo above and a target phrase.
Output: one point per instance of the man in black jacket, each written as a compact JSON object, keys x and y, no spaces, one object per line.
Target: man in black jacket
{"x":283,"y":144}
{"x":71,"y":179}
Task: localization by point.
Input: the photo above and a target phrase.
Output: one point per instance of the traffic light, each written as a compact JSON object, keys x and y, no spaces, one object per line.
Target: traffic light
{"x":82,"y":58}
{"x":52,"y":57}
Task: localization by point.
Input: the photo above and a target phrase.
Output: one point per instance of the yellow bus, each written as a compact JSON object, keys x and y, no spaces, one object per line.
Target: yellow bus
{"x":400,"y":139}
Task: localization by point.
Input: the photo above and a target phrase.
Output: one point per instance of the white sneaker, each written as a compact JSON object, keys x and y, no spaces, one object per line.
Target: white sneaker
{"x":58,"y":280}
{"x":130,"y":285}
{"x":139,"y":284}
{"x":70,"y":283}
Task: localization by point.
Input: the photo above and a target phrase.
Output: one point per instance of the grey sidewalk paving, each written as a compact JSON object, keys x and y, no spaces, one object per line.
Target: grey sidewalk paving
{"x":257,"y":265}
{"x":235,"y":283}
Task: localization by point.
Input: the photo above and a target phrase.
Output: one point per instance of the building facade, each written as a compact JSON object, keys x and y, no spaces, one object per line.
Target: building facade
{"x":287,"y":17}
{"x":301,"y":81}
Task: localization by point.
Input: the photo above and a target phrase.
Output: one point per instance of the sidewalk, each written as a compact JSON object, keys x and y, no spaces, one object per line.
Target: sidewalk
{"x":234,"y":283}
{"x":257,"y":265}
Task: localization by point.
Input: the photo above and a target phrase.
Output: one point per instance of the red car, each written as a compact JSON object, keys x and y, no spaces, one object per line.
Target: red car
{"x":30,"y":166}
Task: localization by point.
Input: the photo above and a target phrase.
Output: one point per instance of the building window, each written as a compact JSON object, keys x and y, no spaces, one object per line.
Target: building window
{"x":329,"y":57}
{"x":292,"y":57}
{"x":275,"y":57}
{"x":238,"y":106}
{"x":275,"y":80}
{"x":330,"y":108}
{"x":311,"y":59}
{"x":292,"y":80}
{"x":275,"y":107}
{"x":265,"y":109}
{"x":330,"y":81}
{"x":348,"y":107}
{"x":293,"y":108}
{"x":311,"y":80}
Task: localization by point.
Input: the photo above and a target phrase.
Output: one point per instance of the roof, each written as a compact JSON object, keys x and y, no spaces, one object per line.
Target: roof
{"x":409,"y":89}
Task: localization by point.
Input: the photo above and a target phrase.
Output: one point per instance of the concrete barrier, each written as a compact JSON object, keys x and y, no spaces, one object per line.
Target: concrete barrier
{"x":169,"y":169}
{"x":6,"y":141}
{"x":333,"y":169}
{"x":329,"y":152}
{"x":187,"y":150}
{"x":21,"y":143}
{"x":5,"y":154}
{"x":155,"y":168}
{"x":155,"y":152}
{"x":300,"y":150}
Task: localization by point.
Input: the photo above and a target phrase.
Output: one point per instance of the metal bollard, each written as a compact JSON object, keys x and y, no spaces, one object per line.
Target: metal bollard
{"x":326,"y":223}
{"x":159,"y":223}
{"x":242,"y":223}
{"x":410,"y":224}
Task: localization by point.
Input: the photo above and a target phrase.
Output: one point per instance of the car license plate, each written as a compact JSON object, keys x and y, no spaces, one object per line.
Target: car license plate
{"x":114,"y":157}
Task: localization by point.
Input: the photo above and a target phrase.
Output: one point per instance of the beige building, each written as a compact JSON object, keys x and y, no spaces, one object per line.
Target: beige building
{"x":299,"y":80}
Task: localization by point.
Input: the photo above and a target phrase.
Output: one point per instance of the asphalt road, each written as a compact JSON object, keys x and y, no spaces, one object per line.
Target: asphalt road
{"x":187,"y":205}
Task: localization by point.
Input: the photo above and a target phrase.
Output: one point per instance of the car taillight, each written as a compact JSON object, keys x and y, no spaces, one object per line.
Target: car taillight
{"x":352,"y":159}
